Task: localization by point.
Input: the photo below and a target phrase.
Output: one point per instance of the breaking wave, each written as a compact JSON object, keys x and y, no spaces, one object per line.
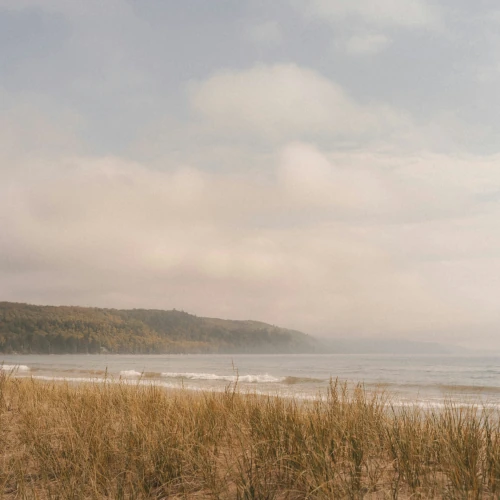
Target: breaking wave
{"x":14,"y":368}
{"x":135,"y":373}
{"x":263,"y":378}
{"x":130,"y":373}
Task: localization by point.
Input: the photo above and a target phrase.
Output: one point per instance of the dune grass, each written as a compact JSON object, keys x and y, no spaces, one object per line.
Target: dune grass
{"x":104,"y":440}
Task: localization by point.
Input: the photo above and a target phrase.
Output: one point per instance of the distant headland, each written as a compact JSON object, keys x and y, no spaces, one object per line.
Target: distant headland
{"x":35,"y":329}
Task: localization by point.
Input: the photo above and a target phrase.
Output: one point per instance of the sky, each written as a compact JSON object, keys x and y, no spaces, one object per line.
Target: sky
{"x":322,"y":165}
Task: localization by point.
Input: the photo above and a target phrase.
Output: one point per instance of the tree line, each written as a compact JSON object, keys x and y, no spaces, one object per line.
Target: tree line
{"x":26,"y":328}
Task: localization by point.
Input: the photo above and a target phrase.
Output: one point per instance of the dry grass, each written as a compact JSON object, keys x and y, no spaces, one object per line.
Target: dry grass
{"x":119,"y":441}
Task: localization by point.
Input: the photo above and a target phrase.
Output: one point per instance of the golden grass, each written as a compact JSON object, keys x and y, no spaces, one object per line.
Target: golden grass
{"x":117,"y":441}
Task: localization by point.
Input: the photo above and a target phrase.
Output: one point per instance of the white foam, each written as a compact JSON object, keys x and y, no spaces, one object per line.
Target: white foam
{"x":130,"y":373}
{"x":441,"y":405}
{"x":262,"y":378}
{"x":259,"y":378}
{"x":14,"y":368}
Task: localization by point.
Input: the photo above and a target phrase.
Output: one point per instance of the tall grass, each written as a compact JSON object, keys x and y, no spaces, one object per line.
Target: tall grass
{"x":103,"y":440}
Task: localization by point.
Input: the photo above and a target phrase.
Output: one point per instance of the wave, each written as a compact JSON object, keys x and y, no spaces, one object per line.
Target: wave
{"x":442,"y":387}
{"x":262,"y":378}
{"x":14,"y":368}
{"x":130,"y":373}
{"x":469,"y":388}
{"x":134,"y":373}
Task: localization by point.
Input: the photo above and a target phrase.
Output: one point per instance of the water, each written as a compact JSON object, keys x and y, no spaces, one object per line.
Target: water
{"x":427,"y":380}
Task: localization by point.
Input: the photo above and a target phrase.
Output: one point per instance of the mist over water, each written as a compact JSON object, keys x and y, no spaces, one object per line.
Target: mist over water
{"x":425,"y":379}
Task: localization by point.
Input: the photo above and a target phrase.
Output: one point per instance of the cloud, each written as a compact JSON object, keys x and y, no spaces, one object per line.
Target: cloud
{"x":286,"y":101}
{"x":128,"y":235}
{"x":336,"y":243}
{"x":267,"y":33}
{"x":311,"y":179}
{"x":365,"y":44}
{"x":361,"y":241}
{"x":389,"y":13}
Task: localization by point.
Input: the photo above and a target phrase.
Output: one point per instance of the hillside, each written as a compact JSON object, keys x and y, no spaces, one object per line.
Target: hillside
{"x":28,"y":328}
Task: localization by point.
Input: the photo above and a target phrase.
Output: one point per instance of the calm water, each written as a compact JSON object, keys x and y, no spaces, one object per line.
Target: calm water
{"x":425,"y":379}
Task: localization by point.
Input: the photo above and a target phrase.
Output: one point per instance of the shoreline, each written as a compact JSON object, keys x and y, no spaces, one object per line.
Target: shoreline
{"x":425,"y":381}
{"x":457,"y":397}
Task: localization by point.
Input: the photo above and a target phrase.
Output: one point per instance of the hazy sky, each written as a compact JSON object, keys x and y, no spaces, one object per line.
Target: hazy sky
{"x":326,"y":165}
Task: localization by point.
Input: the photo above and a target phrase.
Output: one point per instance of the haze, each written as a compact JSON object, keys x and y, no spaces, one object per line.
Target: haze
{"x":322,"y":165}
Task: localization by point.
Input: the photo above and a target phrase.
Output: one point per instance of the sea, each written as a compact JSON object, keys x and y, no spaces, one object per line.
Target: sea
{"x":426,"y":380}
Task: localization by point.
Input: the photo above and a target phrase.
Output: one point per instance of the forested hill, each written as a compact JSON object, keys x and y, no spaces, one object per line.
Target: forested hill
{"x":27,"y":328}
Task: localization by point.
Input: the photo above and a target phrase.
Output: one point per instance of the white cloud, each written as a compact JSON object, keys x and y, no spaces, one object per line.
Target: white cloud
{"x":285,"y":101}
{"x":366,"y":44}
{"x":391,"y":13}
{"x":267,"y":33}
{"x":311,"y":179}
